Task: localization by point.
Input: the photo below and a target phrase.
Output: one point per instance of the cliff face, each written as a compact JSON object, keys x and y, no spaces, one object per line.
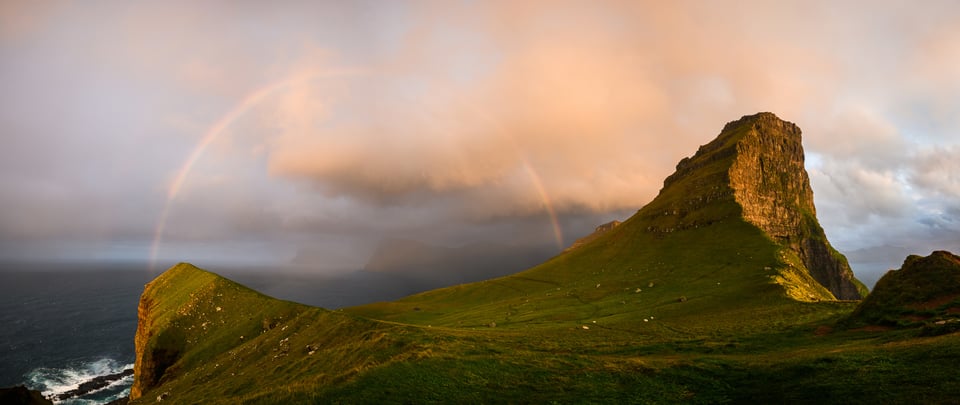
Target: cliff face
{"x":757,"y":163}
{"x":772,"y":186}
{"x":152,"y":359}
{"x":156,"y":344}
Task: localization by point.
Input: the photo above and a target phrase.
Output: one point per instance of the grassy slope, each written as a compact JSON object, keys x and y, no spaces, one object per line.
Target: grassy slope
{"x":720,"y":345}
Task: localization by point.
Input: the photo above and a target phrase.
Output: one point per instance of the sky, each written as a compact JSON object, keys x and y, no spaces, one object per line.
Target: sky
{"x":257,"y":132}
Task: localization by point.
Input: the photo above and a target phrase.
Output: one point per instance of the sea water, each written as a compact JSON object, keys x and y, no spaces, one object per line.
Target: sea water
{"x":65,"y":324}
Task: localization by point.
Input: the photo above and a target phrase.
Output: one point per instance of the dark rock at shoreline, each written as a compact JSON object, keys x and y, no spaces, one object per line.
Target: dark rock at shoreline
{"x":20,"y":395}
{"x":94,"y":384}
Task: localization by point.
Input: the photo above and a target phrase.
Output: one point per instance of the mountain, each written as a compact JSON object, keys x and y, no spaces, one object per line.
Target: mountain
{"x":723,"y":289}
{"x":732,"y":229}
{"x":924,"y":292}
{"x":431,"y":266}
{"x":755,"y":170}
{"x":600,"y":230}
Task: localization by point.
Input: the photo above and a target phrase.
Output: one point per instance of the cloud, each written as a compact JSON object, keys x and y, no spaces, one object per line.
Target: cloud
{"x":600,"y":101}
{"x":450,"y":116}
{"x":21,"y":20}
{"x":590,"y":98}
{"x":937,"y":171}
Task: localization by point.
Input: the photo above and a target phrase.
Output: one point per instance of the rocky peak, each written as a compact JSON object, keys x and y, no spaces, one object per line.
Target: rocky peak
{"x":758,"y":163}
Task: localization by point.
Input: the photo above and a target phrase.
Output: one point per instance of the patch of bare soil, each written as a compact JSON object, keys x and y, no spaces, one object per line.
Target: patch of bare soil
{"x":873,"y":328}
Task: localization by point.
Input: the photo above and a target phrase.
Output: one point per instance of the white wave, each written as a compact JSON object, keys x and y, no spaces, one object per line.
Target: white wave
{"x":125,"y":381}
{"x":55,"y":381}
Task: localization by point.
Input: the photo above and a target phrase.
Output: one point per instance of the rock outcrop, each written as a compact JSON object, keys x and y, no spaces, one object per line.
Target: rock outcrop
{"x":94,"y":384}
{"x":755,"y":169}
{"x":925,"y":291}
{"x":21,"y":395}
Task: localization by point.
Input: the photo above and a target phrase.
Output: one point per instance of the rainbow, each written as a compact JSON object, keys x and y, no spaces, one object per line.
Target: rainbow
{"x":531,"y":173}
{"x":254,"y":98}
{"x":211,"y":135}
{"x":547,"y":202}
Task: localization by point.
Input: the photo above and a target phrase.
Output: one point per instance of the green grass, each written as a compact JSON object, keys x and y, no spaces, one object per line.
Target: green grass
{"x":856,"y":373}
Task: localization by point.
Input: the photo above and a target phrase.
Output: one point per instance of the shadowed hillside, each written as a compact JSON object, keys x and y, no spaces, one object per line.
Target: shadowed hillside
{"x":431,"y":266}
{"x":924,"y":292}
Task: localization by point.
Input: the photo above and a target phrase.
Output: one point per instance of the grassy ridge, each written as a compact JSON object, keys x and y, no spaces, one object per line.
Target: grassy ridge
{"x":222,"y":340}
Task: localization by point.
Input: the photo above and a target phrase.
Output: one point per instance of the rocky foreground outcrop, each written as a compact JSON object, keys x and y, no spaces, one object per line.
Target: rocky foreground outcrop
{"x":924,"y":292}
{"x":21,"y":395}
{"x":756,"y":163}
{"x":94,"y":384}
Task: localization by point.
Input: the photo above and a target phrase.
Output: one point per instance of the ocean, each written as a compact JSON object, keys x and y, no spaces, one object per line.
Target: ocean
{"x":62,"y":325}
{"x":60,"y":328}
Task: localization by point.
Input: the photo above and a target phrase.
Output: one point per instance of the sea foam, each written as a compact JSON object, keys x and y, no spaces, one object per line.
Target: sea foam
{"x":55,"y":381}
